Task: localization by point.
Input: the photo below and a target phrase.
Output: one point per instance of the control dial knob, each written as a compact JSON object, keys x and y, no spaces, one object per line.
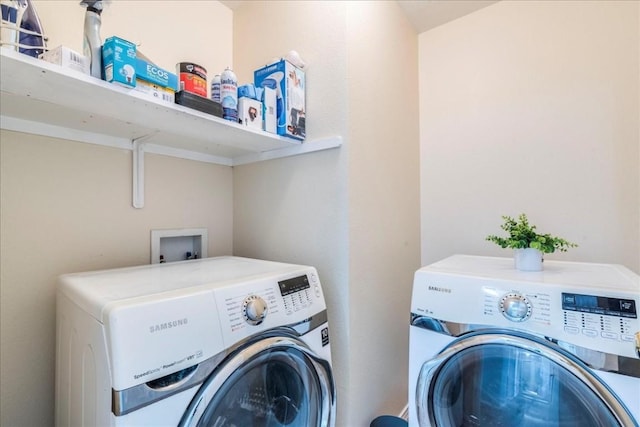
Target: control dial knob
{"x":515,"y":307}
{"x":254,"y":309}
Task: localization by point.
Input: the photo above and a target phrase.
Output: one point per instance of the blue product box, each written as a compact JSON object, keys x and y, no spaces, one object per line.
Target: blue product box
{"x":119,"y":61}
{"x":156,"y":75}
{"x":289,"y":84}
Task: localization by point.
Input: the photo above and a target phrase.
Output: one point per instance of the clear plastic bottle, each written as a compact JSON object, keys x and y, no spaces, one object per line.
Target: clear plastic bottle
{"x":92,"y":44}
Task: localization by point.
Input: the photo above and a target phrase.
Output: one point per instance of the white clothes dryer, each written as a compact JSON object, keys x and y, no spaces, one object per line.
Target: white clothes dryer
{"x":222,"y":342}
{"x":493,"y":346}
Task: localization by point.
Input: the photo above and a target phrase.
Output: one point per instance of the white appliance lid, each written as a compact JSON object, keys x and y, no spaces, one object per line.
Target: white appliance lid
{"x":93,"y":291}
{"x":588,"y":275}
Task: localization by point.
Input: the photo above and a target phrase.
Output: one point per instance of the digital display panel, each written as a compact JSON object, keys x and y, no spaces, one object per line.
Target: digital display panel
{"x":619,"y":307}
{"x":295,"y":284}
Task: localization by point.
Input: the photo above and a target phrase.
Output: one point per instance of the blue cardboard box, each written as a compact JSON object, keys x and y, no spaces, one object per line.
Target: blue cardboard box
{"x":156,"y":75}
{"x":119,"y":61}
{"x":289,"y":84}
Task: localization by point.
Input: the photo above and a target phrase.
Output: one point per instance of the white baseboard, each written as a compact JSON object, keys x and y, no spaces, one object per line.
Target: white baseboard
{"x":405,"y":413}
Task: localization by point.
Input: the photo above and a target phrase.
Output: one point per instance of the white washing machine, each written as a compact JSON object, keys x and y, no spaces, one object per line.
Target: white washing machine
{"x":493,"y":346}
{"x":225,"y":342}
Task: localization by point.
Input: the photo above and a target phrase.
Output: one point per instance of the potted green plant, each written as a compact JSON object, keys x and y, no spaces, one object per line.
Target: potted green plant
{"x":529,"y":245}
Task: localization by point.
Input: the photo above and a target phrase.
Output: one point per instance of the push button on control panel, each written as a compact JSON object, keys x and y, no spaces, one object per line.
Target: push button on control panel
{"x":313,"y":278}
{"x":571,"y":330}
{"x":590,"y":333}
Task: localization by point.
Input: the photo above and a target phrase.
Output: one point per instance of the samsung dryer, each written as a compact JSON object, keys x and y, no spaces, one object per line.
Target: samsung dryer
{"x":223,"y":342}
{"x":490,"y":345}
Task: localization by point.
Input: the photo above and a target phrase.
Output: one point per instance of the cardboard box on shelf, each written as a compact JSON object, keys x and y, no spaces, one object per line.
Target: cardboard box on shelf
{"x":67,"y":58}
{"x":155,"y":91}
{"x":150,"y":72}
{"x":119,"y":61}
{"x":289,"y":83}
{"x":269,"y":110}
{"x":250,"y":113}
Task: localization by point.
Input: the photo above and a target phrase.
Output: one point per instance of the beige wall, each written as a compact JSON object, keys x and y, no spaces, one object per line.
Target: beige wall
{"x":384,"y":223}
{"x":295,"y":209}
{"x":533,"y":107}
{"x":167,"y":32}
{"x":353,"y":212}
{"x":66,"y":206}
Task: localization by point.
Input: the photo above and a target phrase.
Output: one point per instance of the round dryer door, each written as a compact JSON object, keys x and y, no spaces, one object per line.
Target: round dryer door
{"x":274,"y":382}
{"x":505,"y":378}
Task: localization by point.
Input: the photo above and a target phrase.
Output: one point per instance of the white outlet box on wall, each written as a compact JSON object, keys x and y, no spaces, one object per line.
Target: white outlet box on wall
{"x":178,"y":244}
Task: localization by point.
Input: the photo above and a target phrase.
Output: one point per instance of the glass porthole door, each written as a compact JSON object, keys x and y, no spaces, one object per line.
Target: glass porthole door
{"x":504,"y":378}
{"x":275,"y":382}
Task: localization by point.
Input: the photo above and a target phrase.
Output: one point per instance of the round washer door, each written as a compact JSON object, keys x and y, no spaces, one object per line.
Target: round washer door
{"x":505,"y":378}
{"x":273,"y":382}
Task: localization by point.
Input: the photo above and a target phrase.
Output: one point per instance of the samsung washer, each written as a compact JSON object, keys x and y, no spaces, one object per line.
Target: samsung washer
{"x":222,"y":342}
{"x":490,"y":345}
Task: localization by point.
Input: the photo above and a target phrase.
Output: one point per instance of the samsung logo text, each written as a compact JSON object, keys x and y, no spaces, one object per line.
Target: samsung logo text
{"x":439,"y":289}
{"x":168,"y":325}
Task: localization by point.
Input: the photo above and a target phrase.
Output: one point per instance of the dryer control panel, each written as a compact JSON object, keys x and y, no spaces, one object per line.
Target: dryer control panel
{"x":599,"y":316}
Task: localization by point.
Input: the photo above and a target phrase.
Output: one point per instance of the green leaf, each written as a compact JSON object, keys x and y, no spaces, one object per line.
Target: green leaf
{"x":523,"y":235}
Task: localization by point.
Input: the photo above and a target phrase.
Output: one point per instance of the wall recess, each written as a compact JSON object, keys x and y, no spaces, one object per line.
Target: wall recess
{"x":178,"y":244}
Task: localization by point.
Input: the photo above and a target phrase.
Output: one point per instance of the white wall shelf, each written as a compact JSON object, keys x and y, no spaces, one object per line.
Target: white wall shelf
{"x":43,"y":98}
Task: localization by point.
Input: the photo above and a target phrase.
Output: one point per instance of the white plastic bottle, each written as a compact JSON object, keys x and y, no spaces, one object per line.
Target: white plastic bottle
{"x":215,"y":88}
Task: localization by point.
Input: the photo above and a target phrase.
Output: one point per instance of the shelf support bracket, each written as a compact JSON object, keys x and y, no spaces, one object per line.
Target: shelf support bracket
{"x":138,"y":174}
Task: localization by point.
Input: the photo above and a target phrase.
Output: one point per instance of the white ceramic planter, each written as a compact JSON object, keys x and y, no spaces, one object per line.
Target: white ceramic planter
{"x":528,"y":259}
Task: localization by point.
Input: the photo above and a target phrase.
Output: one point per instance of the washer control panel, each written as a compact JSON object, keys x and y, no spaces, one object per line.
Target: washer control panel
{"x":264,"y":301}
{"x":284,"y":300}
{"x":297,"y":292}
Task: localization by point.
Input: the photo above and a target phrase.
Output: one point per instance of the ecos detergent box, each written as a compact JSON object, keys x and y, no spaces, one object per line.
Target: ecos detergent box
{"x":156,"y":75}
{"x":289,"y":84}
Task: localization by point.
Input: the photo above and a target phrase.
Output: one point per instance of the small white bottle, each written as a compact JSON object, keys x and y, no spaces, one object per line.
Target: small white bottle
{"x":215,"y":88}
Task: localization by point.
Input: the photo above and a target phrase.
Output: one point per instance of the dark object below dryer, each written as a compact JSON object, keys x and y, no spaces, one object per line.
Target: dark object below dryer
{"x":388,"y":421}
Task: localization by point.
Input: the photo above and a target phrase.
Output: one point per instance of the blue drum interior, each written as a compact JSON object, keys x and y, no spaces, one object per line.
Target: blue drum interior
{"x":276,"y":388}
{"x":501,"y":385}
